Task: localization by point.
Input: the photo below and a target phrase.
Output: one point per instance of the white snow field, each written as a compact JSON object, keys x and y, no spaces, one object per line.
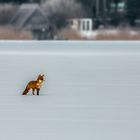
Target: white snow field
{"x":91,"y":92}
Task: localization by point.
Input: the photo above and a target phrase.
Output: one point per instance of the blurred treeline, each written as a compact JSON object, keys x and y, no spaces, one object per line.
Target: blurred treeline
{"x":108,"y":15}
{"x":132,"y":8}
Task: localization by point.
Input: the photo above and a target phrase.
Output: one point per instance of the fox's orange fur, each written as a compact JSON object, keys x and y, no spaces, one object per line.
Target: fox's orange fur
{"x":34,"y":85}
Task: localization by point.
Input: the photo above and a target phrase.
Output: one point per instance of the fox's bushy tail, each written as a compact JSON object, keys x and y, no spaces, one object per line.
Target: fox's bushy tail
{"x":25,"y":91}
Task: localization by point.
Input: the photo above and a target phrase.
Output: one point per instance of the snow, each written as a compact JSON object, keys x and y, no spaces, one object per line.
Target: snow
{"x":94,"y":33}
{"x":91,"y":91}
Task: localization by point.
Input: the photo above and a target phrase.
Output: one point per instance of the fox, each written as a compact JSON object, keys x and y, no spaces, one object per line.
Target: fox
{"x":34,"y":85}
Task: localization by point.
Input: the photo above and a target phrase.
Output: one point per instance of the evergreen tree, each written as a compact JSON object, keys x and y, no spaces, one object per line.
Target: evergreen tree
{"x":133,"y":10}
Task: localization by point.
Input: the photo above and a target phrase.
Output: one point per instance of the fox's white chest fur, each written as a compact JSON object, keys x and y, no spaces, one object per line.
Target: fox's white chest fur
{"x":39,"y":83}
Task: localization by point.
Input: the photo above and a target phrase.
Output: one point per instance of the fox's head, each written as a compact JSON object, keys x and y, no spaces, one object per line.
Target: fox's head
{"x":41,"y":77}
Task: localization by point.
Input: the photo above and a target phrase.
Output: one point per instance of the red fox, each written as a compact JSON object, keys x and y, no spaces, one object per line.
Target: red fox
{"x":34,"y":85}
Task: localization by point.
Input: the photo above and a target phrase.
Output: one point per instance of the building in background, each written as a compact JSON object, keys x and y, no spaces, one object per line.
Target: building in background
{"x":81,"y":24}
{"x":32,"y":18}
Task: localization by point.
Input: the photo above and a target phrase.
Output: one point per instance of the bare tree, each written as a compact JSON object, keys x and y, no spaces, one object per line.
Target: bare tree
{"x":59,"y":11}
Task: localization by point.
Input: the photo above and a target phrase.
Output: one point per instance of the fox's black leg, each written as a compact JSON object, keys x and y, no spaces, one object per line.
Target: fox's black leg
{"x":38,"y":91}
{"x":33,"y":92}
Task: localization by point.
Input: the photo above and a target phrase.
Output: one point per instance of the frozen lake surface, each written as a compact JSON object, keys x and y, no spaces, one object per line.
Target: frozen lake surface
{"x":91,"y":92}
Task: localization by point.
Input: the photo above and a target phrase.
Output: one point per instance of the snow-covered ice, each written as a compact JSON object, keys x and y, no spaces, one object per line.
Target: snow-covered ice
{"x":91,"y":92}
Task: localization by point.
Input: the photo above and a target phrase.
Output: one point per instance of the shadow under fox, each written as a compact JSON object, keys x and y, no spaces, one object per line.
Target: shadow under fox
{"x":34,"y":85}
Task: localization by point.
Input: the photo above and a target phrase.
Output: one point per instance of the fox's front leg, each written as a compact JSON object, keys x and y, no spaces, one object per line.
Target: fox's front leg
{"x":33,"y":91}
{"x":38,"y":91}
